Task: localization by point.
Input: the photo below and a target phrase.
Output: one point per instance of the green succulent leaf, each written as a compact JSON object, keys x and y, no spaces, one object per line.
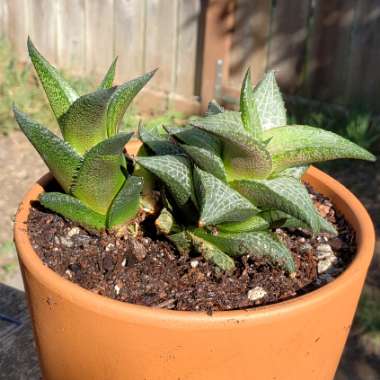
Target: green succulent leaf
{"x":196,"y":137}
{"x":300,"y":144}
{"x":324,"y":225}
{"x":59,"y":93}
{"x":174,"y":171}
{"x":213,"y":254}
{"x":206,"y":160}
{"x":126,"y":204}
{"x":243,"y":155}
{"x":159,"y":144}
{"x":283,"y":193}
{"x":248,"y":108}
{"x":61,"y":159}
{"x":101,"y":176}
{"x":269,"y":103}
{"x":84,"y":123}
{"x":182,"y":242}
{"x":109,"y":77}
{"x":122,"y":98}
{"x":165,"y":223}
{"x":257,"y":244}
{"x":295,"y":172}
{"x":254,"y":223}
{"x":218,"y":202}
{"x":214,"y":108}
{"x":73,"y":209}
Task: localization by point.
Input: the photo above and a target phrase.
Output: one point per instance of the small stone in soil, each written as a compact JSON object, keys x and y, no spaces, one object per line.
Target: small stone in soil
{"x":256,"y":293}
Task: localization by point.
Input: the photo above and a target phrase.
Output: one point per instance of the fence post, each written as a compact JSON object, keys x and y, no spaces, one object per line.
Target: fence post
{"x":219,"y":20}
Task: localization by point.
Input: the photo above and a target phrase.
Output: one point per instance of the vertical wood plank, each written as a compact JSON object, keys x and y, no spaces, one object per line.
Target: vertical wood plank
{"x":161,"y":41}
{"x":71,"y":35}
{"x":363,"y":82}
{"x":219,"y":20}
{"x":287,"y":48}
{"x":250,"y":40}
{"x":129,"y":37}
{"x":329,"y":49}
{"x":188,"y":25}
{"x":3,"y":19}
{"x":18,"y":26}
{"x":43,"y":27}
{"x":99,"y":36}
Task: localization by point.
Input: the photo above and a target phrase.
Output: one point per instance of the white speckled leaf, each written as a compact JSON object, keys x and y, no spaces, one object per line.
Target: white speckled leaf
{"x":83,"y":125}
{"x":174,"y":171}
{"x":218,"y":202}
{"x":269,"y":103}
{"x":212,"y":253}
{"x":244,"y":157}
{"x":295,"y":172}
{"x":300,"y":144}
{"x":283,"y":193}
{"x":62,"y":160}
{"x":101,"y":177}
{"x":59,"y":93}
{"x":248,"y":108}
{"x":259,"y":244}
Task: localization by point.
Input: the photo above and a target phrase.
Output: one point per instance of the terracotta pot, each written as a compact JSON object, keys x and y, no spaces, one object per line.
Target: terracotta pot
{"x":81,"y":335}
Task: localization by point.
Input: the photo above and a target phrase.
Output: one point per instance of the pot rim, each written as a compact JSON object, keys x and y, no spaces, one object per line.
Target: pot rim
{"x":353,"y":210}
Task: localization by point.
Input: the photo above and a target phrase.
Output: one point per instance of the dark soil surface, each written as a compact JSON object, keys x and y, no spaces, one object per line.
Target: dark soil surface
{"x":149,"y":271}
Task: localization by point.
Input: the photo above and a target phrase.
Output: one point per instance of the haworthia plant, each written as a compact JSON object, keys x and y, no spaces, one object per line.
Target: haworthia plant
{"x":240,"y":174}
{"x":88,"y":163}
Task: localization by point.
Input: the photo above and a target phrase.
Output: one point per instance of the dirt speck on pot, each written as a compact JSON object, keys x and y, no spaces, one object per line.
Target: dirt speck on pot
{"x":148,"y":271}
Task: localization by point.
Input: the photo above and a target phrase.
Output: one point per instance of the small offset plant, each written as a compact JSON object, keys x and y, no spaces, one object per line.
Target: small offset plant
{"x":88,"y":163}
{"x":227,"y":179}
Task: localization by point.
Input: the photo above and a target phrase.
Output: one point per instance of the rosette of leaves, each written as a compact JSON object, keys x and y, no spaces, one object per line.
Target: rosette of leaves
{"x":88,"y":162}
{"x":230,"y":177}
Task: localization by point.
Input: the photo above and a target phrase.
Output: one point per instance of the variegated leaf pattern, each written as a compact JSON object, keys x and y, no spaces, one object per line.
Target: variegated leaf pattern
{"x":101,"y":176}
{"x":218,"y":202}
{"x":110,"y":76}
{"x":59,"y":93}
{"x":283,"y":193}
{"x":259,"y":244}
{"x":212,"y":253}
{"x":182,"y":241}
{"x":244,"y":157}
{"x":174,"y":172}
{"x":206,"y":160}
{"x":122,"y":98}
{"x":62,"y":160}
{"x":269,"y":103}
{"x":84,"y":123}
{"x":73,"y":209}
{"x":126,"y":203}
{"x":296,"y":145}
{"x":248,"y":108}
{"x":295,"y":172}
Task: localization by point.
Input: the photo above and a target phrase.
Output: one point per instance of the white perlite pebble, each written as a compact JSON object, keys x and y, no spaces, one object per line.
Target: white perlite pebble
{"x":326,"y":264}
{"x":194,"y":263}
{"x":110,"y":247}
{"x":256,"y":293}
{"x":117,"y":289}
{"x":73,"y":231}
{"x":66,"y":242}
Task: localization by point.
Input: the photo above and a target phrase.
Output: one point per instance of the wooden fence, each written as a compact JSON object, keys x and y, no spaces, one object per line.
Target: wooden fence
{"x":322,"y":49}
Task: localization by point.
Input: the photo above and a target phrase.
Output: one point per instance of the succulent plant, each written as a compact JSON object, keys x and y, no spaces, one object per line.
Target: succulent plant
{"x":88,"y":163}
{"x":227,"y":179}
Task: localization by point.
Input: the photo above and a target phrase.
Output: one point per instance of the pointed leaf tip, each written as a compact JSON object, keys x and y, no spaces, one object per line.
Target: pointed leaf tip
{"x":110,"y":76}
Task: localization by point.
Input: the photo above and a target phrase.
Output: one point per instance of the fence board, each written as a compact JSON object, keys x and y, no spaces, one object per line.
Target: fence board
{"x":329,"y":49}
{"x":3,"y":19}
{"x":129,"y":37}
{"x":287,"y":49}
{"x":161,"y":41}
{"x":43,"y":27}
{"x":188,"y":20}
{"x":364,"y":76}
{"x":71,"y":34}
{"x":250,"y":39}
{"x":99,"y":36}
{"x":18,"y":26}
